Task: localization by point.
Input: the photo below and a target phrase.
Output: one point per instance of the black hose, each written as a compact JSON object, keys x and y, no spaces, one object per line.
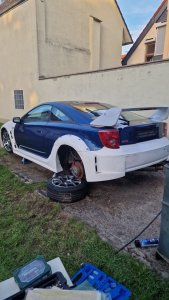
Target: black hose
{"x":122,"y":248}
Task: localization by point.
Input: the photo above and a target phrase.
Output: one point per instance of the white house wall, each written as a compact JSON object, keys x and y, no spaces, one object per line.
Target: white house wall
{"x":72,"y":33}
{"x":18,"y":58}
{"x":145,"y":85}
{"x":141,"y":85}
{"x":139,"y":55}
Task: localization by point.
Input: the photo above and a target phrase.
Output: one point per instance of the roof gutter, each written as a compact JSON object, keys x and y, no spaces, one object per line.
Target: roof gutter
{"x":125,"y":25}
{"x":8,"y":5}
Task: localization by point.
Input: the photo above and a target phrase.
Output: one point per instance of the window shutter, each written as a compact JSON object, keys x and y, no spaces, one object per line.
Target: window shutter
{"x":159,"y":49}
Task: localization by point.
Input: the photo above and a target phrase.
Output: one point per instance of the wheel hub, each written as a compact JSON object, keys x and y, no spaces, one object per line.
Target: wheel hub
{"x":77,"y":169}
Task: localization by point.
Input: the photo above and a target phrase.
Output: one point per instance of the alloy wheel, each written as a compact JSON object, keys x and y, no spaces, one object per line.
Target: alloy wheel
{"x":6,"y":141}
{"x":65,"y":181}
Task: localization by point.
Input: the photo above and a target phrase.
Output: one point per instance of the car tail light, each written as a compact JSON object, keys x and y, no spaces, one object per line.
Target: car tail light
{"x":110,"y":138}
{"x":165,"y":128}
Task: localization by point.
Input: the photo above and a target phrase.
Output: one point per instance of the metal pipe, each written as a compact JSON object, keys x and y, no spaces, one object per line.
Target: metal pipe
{"x":154,"y":168}
{"x":163,"y":249}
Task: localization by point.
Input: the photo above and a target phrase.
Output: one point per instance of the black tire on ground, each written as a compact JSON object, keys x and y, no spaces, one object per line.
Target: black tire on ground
{"x":6,"y":141}
{"x":66,"y":189}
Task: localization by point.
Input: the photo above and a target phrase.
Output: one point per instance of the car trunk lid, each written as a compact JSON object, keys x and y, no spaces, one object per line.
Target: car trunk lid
{"x":140,"y":133}
{"x":133,"y":128}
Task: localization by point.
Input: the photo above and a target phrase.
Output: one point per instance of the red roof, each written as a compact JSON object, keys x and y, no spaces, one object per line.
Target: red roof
{"x":123,"y":56}
{"x":158,"y":9}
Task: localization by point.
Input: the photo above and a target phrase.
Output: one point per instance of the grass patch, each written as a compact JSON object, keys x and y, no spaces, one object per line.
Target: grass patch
{"x":31,"y":225}
{"x":3,"y":152}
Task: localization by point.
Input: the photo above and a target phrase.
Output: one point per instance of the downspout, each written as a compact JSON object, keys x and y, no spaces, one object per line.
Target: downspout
{"x":166,"y":43}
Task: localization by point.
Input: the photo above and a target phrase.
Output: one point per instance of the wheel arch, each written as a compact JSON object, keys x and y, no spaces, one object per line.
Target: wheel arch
{"x":69,"y":142}
{"x":7,"y":126}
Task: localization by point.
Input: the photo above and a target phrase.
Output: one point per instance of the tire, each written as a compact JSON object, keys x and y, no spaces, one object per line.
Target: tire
{"x":6,"y":141}
{"x":66,"y":189}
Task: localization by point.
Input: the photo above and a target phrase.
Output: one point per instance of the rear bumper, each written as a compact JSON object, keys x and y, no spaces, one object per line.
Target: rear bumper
{"x":107,"y":164}
{"x":150,"y":154}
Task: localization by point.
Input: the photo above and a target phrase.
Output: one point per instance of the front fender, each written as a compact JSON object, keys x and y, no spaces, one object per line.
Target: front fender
{"x":9,"y":126}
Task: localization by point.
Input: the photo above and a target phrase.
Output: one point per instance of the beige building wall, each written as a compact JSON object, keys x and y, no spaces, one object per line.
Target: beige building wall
{"x":77,"y":36}
{"x":138,"y":55}
{"x":50,"y":38}
{"x":130,"y":86}
{"x":18,"y":59}
{"x":166,"y":45}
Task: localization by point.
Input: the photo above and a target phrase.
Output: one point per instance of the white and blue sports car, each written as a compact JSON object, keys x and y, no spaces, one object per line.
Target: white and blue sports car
{"x":92,"y":140}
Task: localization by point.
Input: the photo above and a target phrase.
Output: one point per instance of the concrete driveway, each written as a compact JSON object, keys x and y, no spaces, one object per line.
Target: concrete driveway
{"x":117,"y":209}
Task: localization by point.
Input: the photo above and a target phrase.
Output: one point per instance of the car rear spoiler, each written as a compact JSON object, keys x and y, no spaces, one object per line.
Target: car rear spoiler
{"x":111,"y":116}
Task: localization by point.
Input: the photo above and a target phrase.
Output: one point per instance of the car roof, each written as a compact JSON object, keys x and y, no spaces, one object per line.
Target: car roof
{"x":70,"y":109}
{"x":71,"y":103}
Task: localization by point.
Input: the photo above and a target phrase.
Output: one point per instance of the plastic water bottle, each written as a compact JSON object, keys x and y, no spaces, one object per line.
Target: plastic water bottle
{"x":146,"y":243}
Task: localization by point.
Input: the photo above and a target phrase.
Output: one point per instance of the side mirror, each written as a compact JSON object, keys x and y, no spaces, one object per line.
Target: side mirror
{"x":17,"y":120}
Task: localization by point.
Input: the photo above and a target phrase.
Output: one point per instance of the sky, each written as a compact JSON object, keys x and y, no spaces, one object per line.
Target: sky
{"x":137,"y":14}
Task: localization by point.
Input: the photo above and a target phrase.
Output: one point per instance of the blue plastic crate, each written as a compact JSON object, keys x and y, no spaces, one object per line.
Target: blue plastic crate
{"x":101,"y":282}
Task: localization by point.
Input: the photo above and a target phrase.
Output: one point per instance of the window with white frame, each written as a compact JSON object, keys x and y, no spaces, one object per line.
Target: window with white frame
{"x":19,"y":99}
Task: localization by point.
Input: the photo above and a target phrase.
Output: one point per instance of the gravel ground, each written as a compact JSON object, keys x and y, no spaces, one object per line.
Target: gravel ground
{"x":117,"y":209}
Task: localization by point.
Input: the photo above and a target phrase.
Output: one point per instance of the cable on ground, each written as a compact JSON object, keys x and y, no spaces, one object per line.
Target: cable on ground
{"x":122,"y":248}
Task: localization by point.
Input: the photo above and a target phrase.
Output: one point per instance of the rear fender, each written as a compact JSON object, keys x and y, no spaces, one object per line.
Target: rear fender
{"x":72,"y":141}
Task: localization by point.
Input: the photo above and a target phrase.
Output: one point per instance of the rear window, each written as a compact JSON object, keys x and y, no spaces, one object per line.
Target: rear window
{"x":93,"y":108}
{"x":96,"y":109}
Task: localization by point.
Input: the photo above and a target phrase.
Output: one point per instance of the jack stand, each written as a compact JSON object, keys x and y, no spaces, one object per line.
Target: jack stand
{"x":25,"y":161}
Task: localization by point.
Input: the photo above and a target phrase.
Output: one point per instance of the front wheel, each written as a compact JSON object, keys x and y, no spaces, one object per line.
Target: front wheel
{"x":6,"y":141}
{"x":66,"y":188}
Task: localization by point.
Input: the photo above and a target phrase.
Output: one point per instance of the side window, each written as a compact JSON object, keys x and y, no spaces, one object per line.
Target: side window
{"x":150,"y":49}
{"x":57,"y":116}
{"x":38,"y":114}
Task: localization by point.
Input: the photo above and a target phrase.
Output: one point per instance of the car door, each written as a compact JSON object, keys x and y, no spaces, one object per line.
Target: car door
{"x":59,"y":124}
{"x":30,"y":133}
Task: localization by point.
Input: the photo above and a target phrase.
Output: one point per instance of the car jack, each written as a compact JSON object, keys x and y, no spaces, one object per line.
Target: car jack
{"x":25,"y":161}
